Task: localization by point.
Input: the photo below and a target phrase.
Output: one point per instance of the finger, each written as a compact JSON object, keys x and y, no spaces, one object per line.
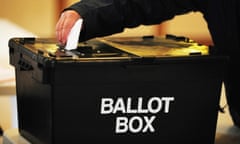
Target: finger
{"x":59,"y":27}
{"x":65,"y":24}
{"x":65,"y":30}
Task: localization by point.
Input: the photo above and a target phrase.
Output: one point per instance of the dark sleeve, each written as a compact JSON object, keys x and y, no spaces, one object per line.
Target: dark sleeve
{"x":106,"y":17}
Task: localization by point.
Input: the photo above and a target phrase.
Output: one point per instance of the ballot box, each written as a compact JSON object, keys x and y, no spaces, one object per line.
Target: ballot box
{"x":143,"y":90}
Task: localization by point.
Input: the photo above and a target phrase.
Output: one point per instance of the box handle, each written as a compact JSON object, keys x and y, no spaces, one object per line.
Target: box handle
{"x":24,"y":65}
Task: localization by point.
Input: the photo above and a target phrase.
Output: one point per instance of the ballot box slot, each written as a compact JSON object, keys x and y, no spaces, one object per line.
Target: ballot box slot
{"x":98,"y":51}
{"x":91,"y":49}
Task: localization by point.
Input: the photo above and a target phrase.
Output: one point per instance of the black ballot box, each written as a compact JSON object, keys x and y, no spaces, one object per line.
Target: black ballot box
{"x":142,"y":90}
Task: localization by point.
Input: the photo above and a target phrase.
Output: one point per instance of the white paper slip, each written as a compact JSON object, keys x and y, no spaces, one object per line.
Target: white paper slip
{"x":73,"y":37}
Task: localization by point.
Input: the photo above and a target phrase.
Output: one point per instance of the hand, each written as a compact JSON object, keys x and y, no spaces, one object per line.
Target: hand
{"x":65,"y":24}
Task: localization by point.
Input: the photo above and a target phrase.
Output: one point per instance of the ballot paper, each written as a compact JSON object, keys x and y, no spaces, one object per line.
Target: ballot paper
{"x":73,"y":37}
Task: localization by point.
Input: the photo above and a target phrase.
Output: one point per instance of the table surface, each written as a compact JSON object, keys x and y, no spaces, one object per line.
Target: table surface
{"x":12,"y":137}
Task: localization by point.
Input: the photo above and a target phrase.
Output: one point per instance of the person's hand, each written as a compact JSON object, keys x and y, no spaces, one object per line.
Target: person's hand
{"x":65,"y":24}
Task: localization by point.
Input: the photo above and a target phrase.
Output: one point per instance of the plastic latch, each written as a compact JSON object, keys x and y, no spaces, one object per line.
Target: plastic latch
{"x":40,"y":52}
{"x":148,"y":37}
{"x":29,"y":40}
{"x":195,"y":53}
{"x":222,"y":108}
{"x":177,"y":38}
{"x":24,"y":66}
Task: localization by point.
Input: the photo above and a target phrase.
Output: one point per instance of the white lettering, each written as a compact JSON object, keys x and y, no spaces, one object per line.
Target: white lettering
{"x":121,"y":125}
{"x":149,"y":124}
{"x":167,"y":103}
{"x":106,"y":106}
{"x":139,"y":124}
{"x":150,"y":105}
{"x":129,"y":106}
{"x":134,"y":124}
{"x":119,"y":106}
{"x":140,"y":106}
{"x":153,"y":105}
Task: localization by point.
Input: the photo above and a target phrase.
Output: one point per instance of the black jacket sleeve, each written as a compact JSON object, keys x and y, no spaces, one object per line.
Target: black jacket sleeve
{"x":106,"y":17}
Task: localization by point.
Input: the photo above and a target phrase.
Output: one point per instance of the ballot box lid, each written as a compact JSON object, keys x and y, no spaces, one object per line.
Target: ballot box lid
{"x":109,"y":49}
